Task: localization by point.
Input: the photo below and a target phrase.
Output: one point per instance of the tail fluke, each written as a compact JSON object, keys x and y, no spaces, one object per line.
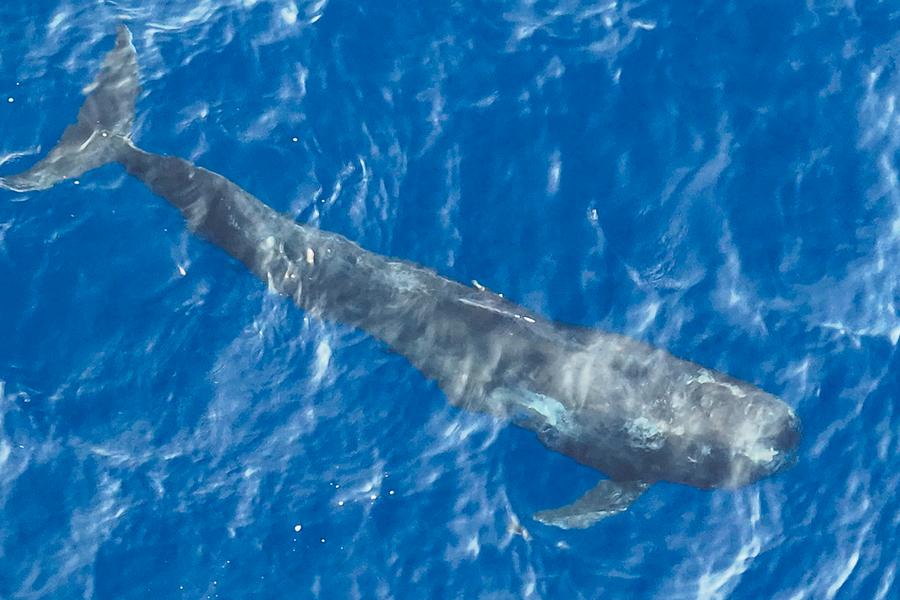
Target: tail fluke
{"x":105,"y":118}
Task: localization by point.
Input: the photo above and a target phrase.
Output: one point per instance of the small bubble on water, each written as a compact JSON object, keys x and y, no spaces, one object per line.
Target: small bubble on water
{"x":298,"y":527}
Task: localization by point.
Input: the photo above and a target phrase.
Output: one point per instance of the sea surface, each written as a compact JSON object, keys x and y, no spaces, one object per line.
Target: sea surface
{"x":717,"y":178}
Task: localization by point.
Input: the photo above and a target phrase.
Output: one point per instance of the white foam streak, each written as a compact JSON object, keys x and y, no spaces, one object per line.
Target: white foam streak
{"x":720,"y":583}
{"x":862,"y":302}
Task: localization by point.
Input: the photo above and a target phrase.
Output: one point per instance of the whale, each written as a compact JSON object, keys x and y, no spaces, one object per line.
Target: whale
{"x":635,"y":413}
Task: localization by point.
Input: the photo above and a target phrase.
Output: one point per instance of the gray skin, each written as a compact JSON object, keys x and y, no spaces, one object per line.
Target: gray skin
{"x":636,"y":413}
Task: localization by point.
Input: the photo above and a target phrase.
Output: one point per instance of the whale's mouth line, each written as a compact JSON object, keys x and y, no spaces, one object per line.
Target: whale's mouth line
{"x":780,"y":460}
{"x":787,"y":444}
{"x":776,"y":452}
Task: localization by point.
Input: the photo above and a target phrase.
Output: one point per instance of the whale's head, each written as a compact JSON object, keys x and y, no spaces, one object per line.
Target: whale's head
{"x":643,"y":414}
{"x":728,"y":433}
{"x":638,"y":413}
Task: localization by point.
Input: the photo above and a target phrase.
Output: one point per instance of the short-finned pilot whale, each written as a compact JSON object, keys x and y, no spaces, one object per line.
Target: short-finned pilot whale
{"x":633,"y":412}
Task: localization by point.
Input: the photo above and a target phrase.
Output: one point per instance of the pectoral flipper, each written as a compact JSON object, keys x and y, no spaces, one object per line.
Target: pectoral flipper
{"x":603,"y":500}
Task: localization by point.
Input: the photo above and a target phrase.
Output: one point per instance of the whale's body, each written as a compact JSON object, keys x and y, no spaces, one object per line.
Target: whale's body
{"x":634,"y":412}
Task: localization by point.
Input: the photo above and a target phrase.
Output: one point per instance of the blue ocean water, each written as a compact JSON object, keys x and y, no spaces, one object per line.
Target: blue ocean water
{"x":716,"y":178}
